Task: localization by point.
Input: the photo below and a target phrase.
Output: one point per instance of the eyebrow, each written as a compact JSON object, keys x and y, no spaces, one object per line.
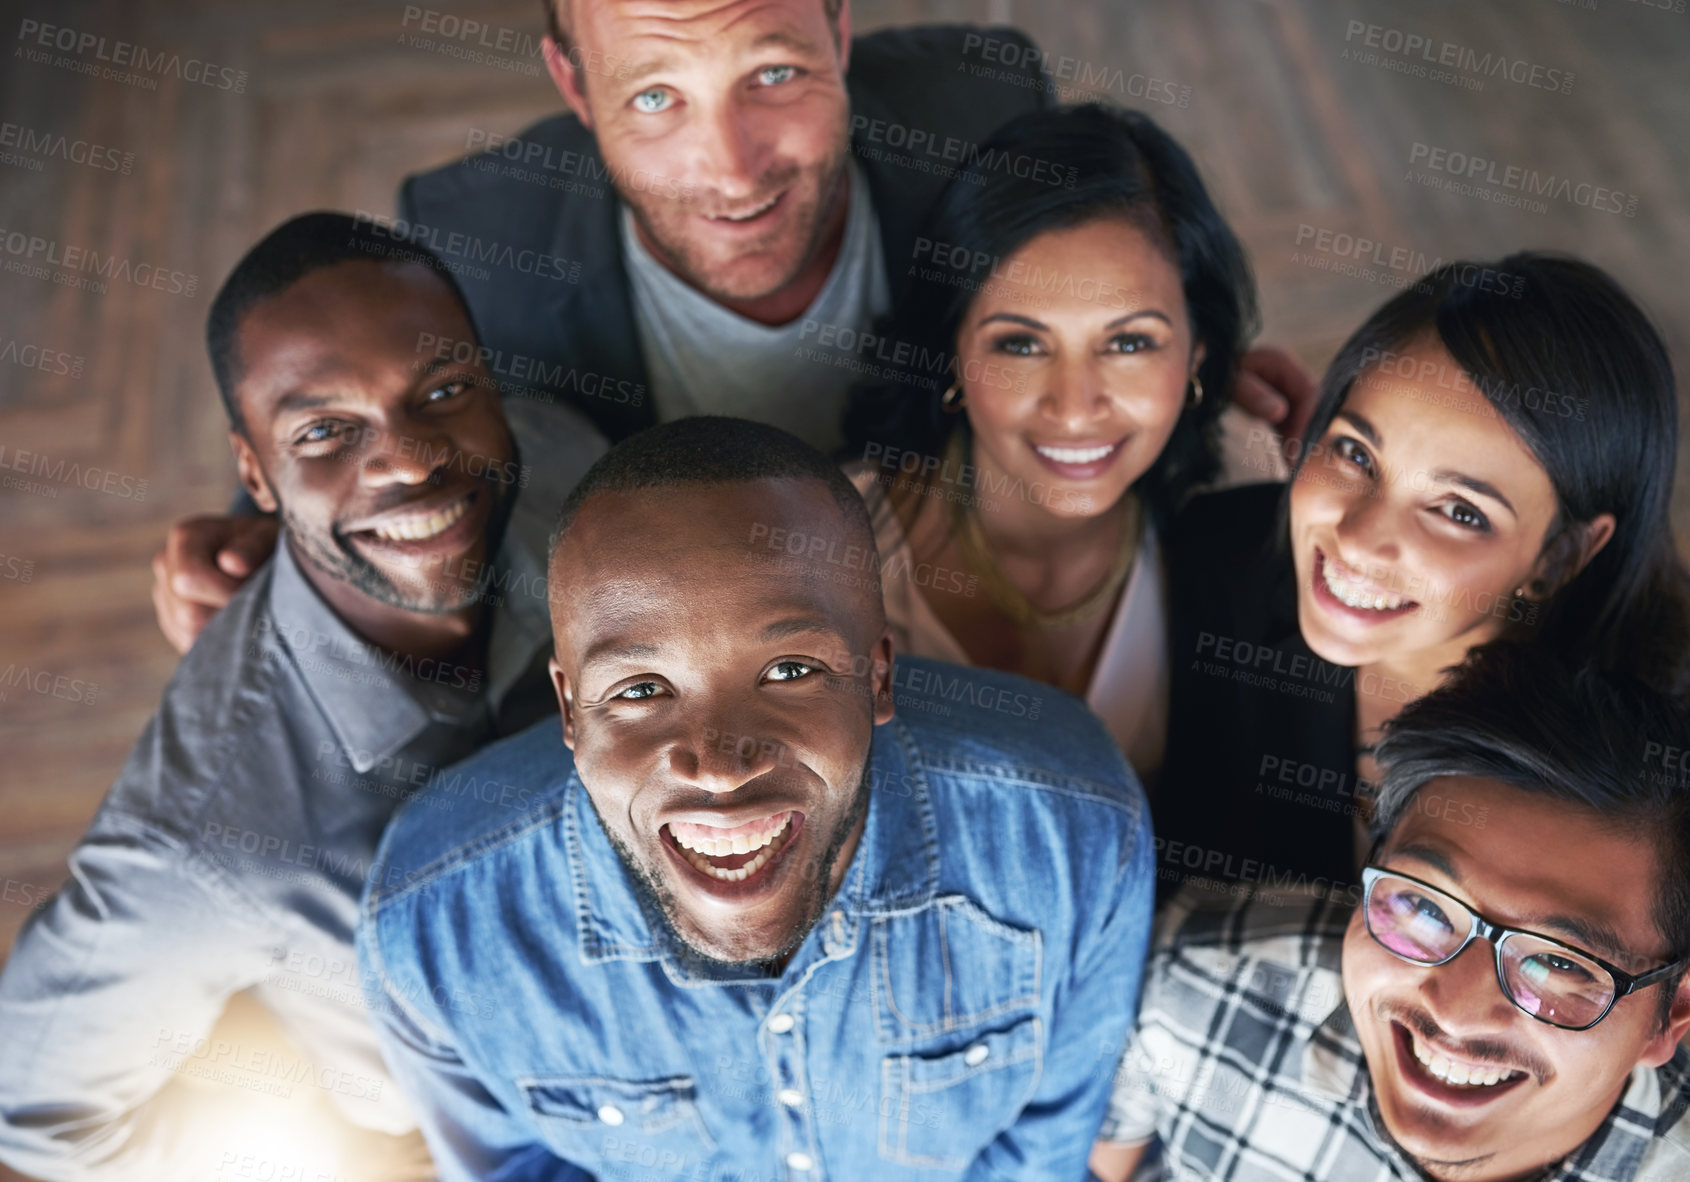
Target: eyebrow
{"x":1590,"y":935}
{"x":609,"y":651}
{"x":1017,"y":318}
{"x":778,"y":39}
{"x":800,"y":626}
{"x":1443,"y":475}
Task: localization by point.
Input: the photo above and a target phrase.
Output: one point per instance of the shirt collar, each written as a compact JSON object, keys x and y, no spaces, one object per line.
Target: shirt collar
{"x":377,"y":702}
{"x":896,"y":865}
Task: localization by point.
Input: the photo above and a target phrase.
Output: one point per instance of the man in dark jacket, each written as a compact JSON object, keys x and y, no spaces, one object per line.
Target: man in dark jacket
{"x":732,"y":182}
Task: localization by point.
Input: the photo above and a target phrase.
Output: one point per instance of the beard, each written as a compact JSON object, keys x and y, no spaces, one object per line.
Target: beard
{"x":656,"y":898}
{"x":816,"y":188}
{"x":331,"y":552}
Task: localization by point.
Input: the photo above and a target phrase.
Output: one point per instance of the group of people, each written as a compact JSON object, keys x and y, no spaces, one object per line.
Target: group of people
{"x":806,"y":687}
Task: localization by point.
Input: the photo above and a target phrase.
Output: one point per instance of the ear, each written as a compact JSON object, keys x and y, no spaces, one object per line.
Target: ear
{"x":1199,"y":351}
{"x":1665,"y":1044}
{"x":842,"y":29}
{"x":880,"y":677}
{"x":1570,"y":553}
{"x":251,"y":474}
{"x":565,"y":701}
{"x":568,"y":80}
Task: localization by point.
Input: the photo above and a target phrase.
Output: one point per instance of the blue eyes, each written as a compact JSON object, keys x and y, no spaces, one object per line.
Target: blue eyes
{"x":790,"y":670}
{"x":659,"y":99}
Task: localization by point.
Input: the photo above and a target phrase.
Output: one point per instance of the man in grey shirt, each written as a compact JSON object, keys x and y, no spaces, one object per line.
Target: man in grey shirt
{"x":401,"y":624}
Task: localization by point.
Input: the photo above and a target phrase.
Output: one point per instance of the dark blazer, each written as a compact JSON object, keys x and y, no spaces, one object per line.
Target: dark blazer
{"x":1258,"y":784}
{"x":531,"y":230}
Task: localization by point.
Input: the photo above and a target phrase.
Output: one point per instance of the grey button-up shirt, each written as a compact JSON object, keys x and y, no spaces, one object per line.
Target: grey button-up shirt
{"x":232,"y":852}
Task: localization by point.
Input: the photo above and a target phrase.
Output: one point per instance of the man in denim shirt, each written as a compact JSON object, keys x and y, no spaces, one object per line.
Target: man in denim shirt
{"x":753,"y":926}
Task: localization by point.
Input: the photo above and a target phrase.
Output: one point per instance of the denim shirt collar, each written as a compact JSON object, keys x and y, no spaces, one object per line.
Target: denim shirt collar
{"x":896,"y":868}
{"x":373,"y":705}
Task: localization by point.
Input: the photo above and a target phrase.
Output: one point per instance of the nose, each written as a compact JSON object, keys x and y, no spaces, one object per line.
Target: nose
{"x":729,"y":151}
{"x":1368,"y":529}
{"x":404,"y":453}
{"x":1464,"y":996}
{"x":1074,"y":398}
{"x":720,"y":760}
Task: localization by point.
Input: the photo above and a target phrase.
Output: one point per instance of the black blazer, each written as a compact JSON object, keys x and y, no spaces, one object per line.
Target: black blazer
{"x":554,"y":303}
{"x":1258,"y":784}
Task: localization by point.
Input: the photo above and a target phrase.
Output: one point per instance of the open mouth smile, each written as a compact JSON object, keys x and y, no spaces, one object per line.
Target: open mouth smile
{"x":749,"y":215}
{"x":737,"y":854}
{"x":1462,"y":1083}
{"x":1336,"y":586}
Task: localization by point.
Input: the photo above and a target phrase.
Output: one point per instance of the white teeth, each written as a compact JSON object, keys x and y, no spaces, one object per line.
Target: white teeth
{"x":416,"y":529}
{"x":1352,"y":594}
{"x":1074,"y":455}
{"x":1459,"y":1074}
{"x":747,"y":216}
{"x":697,"y":857}
{"x":721,"y":847}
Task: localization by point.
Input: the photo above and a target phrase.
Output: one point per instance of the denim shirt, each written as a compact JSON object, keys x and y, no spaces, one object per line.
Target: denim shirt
{"x":957,"y":1011}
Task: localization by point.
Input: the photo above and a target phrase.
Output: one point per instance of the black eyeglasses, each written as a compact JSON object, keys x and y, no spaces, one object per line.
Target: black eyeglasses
{"x":1553,"y":982}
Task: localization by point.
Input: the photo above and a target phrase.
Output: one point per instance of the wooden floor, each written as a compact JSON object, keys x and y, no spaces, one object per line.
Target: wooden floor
{"x":1301,"y":135}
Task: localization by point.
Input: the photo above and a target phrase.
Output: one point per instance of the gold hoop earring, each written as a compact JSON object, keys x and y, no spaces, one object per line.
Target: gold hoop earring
{"x":1196,"y":390}
{"x":951,"y":400}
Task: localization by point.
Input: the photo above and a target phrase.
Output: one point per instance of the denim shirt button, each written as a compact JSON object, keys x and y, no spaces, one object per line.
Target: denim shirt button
{"x":799,"y":1161}
{"x":611,"y":1115}
{"x":791,"y":1097}
{"x":781,"y":1023}
{"x":976,"y":1054}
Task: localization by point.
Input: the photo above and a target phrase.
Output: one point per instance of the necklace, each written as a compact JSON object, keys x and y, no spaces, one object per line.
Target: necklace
{"x":1009,"y":599}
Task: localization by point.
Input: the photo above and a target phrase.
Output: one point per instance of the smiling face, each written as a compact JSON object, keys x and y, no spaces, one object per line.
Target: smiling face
{"x":1415,"y":520}
{"x":1543,"y":866}
{"x":725,"y":127}
{"x":1076,"y":386}
{"x":719,"y":708}
{"x":393,"y":471}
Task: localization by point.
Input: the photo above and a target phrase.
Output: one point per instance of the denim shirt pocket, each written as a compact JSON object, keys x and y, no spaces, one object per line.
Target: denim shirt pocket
{"x":957,"y":996}
{"x":589,"y":1120}
{"x":938,"y":1110}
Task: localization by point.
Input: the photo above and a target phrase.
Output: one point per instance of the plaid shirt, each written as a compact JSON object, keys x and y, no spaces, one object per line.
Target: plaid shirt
{"x":1246,"y":1067}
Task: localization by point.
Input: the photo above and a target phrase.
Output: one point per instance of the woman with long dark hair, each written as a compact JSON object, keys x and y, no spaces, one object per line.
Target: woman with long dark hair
{"x":1063,"y":345}
{"x":1491,"y":458}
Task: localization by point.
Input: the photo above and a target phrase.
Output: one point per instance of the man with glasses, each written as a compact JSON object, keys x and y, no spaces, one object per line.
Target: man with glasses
{"x":1503,"y":997}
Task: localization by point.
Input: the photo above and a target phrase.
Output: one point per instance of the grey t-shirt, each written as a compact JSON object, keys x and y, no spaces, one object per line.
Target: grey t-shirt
{"x":702,"y":358}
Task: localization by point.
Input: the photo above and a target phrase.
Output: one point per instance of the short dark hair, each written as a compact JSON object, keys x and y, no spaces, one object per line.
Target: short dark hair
{"x":1570,"y":362}
{"x":1521,"y":714}
{"x":282,"y":258}
{"x":1107,"y":163}
{"x":712,"y":450}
